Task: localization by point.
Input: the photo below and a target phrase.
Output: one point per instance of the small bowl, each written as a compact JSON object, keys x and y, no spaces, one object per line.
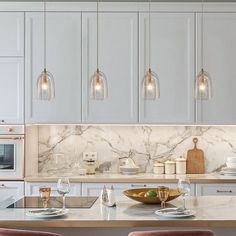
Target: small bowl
{"x":231,"y":165}
{"x":231,"y":159}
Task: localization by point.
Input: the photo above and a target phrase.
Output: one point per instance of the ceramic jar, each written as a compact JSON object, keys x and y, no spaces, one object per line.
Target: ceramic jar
{"x":158,"y":168}
{"x":180,"y":166}
{"x":169,"y":167}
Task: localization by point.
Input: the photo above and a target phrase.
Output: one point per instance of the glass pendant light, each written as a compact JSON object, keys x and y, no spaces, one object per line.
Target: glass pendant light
{"x":151,"y":81}
{"x":98,"y":81}
{"x":203,"y":81}
{"x":45,"y":81}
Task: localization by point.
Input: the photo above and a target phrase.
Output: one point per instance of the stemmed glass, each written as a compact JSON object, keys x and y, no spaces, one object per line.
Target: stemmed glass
{"x":45,"y":193}
{"x":63,"y":188}
{"x":163,"y":193}
{"x":184,"y":188}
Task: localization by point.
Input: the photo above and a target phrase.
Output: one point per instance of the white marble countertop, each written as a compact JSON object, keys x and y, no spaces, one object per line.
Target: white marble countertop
{"x":140,"y":178}
{"x":211,"y":211}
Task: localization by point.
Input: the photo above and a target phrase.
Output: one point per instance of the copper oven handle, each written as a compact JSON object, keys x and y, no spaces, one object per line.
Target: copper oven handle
{"x":13,"y":138}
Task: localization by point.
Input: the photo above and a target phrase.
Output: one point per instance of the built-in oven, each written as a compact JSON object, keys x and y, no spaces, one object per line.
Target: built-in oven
{"x":11,"y":152}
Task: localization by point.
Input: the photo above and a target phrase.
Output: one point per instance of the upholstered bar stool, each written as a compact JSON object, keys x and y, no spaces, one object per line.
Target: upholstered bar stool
{"x":173,"y":233}
{"x":17,"y":232}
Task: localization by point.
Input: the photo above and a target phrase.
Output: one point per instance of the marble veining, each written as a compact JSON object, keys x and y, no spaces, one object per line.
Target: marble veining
{"x":61,"y":146}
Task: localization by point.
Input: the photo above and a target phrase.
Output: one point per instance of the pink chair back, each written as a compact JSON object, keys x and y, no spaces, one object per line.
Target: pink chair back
{"x":17,"y":232}
{"x":174,"y":233}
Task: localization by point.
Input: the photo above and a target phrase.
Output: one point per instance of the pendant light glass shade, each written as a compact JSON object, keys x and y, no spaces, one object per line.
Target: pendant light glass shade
{"x":98,"y":86}
{"x":203,"y":86}
{"x":46,"y":86}
{"x":45,"y":81}
{"x":98,"y":81}
{"x":151,"y":86}
{"x":151,"y":81}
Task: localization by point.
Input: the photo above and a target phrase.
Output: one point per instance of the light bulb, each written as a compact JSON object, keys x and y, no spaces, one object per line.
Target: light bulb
{"x":98,"y":87}
{"x":149,"y":86}
{"x":45,"y":83}
{"x":202,"y":85}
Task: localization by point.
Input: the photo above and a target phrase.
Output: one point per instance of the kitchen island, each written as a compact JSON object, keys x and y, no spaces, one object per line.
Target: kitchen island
{"x":214,"y":212}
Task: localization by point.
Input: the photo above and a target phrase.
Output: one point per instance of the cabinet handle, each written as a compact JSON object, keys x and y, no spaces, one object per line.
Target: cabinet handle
{"x":3,"y":186}
{"x":138,"y":185}
{"x":2,"y":121}
{"x":224,"y":191}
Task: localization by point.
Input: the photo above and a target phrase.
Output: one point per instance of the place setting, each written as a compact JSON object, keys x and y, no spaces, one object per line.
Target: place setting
{"x":63,"y":188}
{"x":175,"y":212}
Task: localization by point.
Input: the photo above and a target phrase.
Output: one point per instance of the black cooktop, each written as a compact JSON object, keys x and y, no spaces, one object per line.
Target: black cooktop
{"x":54,"y":202}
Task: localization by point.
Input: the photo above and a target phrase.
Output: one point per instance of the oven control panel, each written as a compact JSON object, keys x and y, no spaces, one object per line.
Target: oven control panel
{"x":12,"y":130}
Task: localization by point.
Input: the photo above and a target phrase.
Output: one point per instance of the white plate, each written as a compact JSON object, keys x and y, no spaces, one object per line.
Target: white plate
{"x":58,"y":213}
{"x":172,"y":213}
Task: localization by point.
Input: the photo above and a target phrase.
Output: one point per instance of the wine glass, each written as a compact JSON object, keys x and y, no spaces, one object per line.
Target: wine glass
{"x":63,"y":187}
{"x":163,"y":193}
{"x":184,"y":188}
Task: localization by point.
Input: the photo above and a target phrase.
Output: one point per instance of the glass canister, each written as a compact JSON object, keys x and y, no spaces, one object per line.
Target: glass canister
{"x":180,"y":166}
{"x":169,"y":167}
{"x":90,"y":166}
{"x":158,"y":168}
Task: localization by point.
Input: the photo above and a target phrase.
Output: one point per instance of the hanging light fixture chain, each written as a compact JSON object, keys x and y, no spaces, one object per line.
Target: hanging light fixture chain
{"x":149,"y":33}
{"x":45,"y":32}
{"x":97,"y":34}
{"x":202,"y":35}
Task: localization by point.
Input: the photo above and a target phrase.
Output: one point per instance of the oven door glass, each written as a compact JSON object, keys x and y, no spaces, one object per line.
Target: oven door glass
{"x":7,"y":157}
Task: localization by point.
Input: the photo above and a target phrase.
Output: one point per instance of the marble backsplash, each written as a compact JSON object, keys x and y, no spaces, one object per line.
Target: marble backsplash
{"x":60,"y":148}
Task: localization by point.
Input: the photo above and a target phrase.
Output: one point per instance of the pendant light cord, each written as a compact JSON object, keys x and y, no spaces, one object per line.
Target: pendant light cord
{"x":44,"y":33}
{"x":97,"y":34}
{"x":149,"y":33}
{"x":202,"y":35}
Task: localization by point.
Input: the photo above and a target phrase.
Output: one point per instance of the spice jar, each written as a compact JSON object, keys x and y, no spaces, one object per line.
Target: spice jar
{"x":158,"y":168}
{"x":180,"y":166}
{"x":90,"y":164}
{"x":169,"y":167}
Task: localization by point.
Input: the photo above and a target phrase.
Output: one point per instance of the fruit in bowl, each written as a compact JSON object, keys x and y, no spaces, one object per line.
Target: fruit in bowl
{"x":149,"y":195}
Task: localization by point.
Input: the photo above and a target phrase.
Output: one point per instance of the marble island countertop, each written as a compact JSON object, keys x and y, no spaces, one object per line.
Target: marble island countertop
{"x":211,"y":211}
{"x":140,"y":178}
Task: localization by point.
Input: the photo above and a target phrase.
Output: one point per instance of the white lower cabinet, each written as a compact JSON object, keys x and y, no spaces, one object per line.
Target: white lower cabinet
{"x":215,"y":189}
{"x":94,"y":189}
{"x":32,"y":188}
{"x":10,"y":191}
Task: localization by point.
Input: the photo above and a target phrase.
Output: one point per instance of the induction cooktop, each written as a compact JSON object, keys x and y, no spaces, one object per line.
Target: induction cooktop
{"x":54,"y":202}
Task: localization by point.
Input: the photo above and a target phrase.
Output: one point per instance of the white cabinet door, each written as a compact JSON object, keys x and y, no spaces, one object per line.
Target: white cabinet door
{"x":94,"y":189}
{"x":63,"y":61}
{"x":172,"y":58}
{"x":216,"y":189}
{"x":219,"y":61}
{"x":10,"y":192}
{"x":12,"y":34}
{"x":12,"y":90}
{"x":32,"y":189}
{"x":118,"y":57}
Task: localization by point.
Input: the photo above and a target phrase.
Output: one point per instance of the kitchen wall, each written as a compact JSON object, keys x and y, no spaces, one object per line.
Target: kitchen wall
{"x":60,"y":147}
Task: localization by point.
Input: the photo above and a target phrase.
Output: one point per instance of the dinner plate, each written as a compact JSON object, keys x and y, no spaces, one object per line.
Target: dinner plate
{"x":47,"y":213}
{"x":173,"y":213}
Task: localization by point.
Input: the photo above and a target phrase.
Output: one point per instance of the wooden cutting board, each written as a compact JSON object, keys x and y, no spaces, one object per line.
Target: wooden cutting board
{"x":195,"y":160}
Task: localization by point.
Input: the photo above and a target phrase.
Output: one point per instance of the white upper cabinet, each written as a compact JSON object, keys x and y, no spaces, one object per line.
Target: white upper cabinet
{"x":219,"y":60}
{"x":172,"y":57}
{"x":118,"y":56}
{"x":11,"y":34}
{"x":63,"y":61}
{"x":12,"y":91}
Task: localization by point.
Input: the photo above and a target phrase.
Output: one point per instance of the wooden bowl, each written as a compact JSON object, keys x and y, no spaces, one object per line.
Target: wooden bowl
{"x":133,"y":194}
